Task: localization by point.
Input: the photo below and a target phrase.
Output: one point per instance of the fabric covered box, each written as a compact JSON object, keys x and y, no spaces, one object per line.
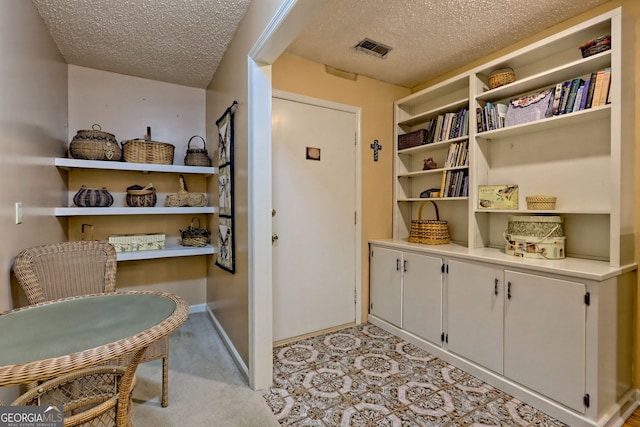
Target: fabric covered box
{"x":535,"y":236}
{"x":529,"y":108}
{"x":535,"y":247}
{"x":137,"y":242}
{"x":536,"y":225}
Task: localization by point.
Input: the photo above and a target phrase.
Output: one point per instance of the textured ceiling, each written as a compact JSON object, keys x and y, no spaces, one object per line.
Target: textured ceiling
{"x":428,"y":37}
{"x":175,"y":41}
{"x":183,"y":41}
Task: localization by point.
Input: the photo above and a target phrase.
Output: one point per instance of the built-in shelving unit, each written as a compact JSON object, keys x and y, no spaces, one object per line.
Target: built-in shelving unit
{"x":171,"y":250}
{"x":498,"y":315}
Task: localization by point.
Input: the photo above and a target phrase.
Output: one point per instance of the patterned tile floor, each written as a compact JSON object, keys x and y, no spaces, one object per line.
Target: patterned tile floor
{"x":364,"y":376}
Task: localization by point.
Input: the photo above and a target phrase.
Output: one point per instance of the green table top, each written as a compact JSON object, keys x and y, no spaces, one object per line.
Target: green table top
{"x":62,"y":328}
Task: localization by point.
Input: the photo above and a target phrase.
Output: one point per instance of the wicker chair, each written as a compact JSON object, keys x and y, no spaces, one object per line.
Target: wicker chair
{"x":67,"y":269}
{"x":98,"y":396}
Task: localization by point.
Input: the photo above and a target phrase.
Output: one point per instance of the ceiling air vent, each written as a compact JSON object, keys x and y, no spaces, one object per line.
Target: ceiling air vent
{"x":373,"y":48}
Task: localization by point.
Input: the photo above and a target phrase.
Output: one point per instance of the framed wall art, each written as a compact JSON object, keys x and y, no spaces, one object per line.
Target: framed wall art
{"x":226,"y":243}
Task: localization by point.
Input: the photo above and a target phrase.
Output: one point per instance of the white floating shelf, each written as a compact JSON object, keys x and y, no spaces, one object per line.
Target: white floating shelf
{"x":127,"y":166}
{"x":133,"y":211}
{"x":167,"y":252}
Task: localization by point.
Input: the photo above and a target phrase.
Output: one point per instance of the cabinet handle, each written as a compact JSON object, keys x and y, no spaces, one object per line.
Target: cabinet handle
{"x":508,"y":290}
{"x":495,"y":287}
{"x":404,"y":266}
{"x":397,"y":264}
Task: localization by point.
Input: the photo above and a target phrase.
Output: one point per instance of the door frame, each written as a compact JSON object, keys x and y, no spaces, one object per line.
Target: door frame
{"x":290,"y":19}
{"x":357,"y":112}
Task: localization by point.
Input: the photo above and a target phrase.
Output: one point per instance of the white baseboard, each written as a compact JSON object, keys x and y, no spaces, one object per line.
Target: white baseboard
{"x":227,"y":342}
{"x":197,"y":308}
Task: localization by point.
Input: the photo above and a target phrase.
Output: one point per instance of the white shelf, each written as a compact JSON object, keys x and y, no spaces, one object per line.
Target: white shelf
{"x":168,"y":252}
{"x":564,"y":120}
{"x":430,"y":147}
{"x":430,"y":171}
{"x":422,"y":199}
{"x":546,"y":211}
{"x":424,"y":117}
{"x":65,"y":163}
{"x":133,"y":211}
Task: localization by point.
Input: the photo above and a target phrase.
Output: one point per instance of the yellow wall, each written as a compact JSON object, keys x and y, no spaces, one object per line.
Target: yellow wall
{"x":294,"y":74}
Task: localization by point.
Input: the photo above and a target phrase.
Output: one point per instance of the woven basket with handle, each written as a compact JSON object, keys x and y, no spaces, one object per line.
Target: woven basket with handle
{"x":195,"y":235}
{"x":147,"y":151}
{"x":429,"y":231}
{"x":197,"y":156}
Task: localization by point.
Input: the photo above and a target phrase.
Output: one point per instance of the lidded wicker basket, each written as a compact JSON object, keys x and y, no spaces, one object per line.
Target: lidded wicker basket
{"x":430,"y":231}
{"x":501,"y":77}
{"x":94,"y":144}
{"x":145,"y":150}
{"x":141,"y":197}
{"x":541,"y":202}
{"x":197,"y":156}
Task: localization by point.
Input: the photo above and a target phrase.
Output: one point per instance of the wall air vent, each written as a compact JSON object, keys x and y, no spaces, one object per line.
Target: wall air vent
{"x":373,"y":48}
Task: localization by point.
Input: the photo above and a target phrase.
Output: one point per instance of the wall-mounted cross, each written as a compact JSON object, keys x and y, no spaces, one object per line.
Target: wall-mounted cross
{"x":376,"y":147}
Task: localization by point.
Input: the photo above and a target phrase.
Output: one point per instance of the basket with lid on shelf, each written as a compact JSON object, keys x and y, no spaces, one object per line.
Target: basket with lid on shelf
{"x":144,"y":150}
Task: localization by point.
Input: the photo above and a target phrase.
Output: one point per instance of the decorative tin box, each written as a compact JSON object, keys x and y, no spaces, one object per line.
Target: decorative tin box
{"x":137,"y":242}
{"x":498,"y":197}
{"x":532,"y":236}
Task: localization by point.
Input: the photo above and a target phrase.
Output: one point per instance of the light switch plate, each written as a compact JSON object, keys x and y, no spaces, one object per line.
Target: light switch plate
{"x":18,"y":212}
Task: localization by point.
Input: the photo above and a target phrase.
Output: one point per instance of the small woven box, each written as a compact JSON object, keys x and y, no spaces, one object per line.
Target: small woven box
{"x":501,"y":77}
{"x":541,"y":202}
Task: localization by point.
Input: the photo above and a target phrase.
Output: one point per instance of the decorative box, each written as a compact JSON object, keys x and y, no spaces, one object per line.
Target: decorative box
{"x":596,"y":45}
{"x":137,"y":242}
{"x":498,"y":197}
{"x":533,"y":247}
{"x":529,"y":108}
{"x":535,"y":225}
{"x":412,"y":139}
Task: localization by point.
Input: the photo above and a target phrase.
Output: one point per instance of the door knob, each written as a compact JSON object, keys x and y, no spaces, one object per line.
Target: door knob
{"x":274,"y":238}
{"x":273,"y":212}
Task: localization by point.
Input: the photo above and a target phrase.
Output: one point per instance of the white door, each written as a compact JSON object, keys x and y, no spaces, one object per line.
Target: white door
{"x":314,"y":202}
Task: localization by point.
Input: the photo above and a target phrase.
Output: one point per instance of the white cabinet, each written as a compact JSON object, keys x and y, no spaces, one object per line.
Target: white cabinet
{"x":171,"y":250}
{"x":474,"y":312}
{"x":545,"y":336}
{"x":406,"y":291}
{"x":422,"y":296}
{"x":385,"y":285}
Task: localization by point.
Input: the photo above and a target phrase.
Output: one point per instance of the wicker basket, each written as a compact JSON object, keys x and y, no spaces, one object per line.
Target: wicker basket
{"x":195,"y":236}
{"x":541,"y":202}
{"x":144,"y":150}
{"x":197,"y":156}
{"x":141,"y":197}
{"x":92,"y":198}
{"x":94,"y":144}
{"x":185,"y":198}
{"x":501,"y":77}
{"x":429,"y":232}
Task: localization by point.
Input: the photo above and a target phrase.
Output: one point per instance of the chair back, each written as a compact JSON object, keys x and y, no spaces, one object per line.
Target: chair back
{"x":66,"y":269}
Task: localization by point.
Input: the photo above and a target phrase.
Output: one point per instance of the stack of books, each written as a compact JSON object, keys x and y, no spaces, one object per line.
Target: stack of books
{"x":582,"y":93}
{"x":448,"y":126}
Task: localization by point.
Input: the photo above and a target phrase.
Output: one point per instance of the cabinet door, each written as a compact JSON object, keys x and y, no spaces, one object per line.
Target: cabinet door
{"x":385,"y":284}
{"x":422,"y":296}
{"x":545,"y":336}
{"x":475,"y":303}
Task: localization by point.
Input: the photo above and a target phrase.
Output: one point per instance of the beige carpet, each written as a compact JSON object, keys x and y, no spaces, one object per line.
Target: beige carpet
{"x":205,"y":386}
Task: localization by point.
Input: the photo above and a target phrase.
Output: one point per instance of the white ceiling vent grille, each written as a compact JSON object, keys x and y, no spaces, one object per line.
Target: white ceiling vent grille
{"x":373,"y":48}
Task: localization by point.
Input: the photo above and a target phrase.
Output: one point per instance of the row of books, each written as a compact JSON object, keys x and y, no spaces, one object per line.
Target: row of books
{"x":448,"y":126}
{"x":455,"y":183}
{"x":457,"y":154}
{"x":582,"y":93}
{"x":491,"y":116}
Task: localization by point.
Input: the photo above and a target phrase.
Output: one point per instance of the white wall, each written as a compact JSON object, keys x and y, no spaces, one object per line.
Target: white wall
{"x":33,"y":120}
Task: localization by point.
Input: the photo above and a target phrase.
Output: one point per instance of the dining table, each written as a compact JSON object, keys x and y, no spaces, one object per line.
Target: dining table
{"x":46,"y":340}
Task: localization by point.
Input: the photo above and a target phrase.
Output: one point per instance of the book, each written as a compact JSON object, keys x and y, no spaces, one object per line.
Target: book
{"x":576,"y":104}
{"x":606,"y":81}
{"x":592,"y":86}
{"x":585,"y":93}
{"x":502,"y":113}
{"x":595,"y":102}
{"x":571,"y":97}
{"x":557,"y":94}
{"x":564,"y":96}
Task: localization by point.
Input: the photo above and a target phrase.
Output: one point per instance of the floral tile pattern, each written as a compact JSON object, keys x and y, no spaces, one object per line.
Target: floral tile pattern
{"x":364,"y":376}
